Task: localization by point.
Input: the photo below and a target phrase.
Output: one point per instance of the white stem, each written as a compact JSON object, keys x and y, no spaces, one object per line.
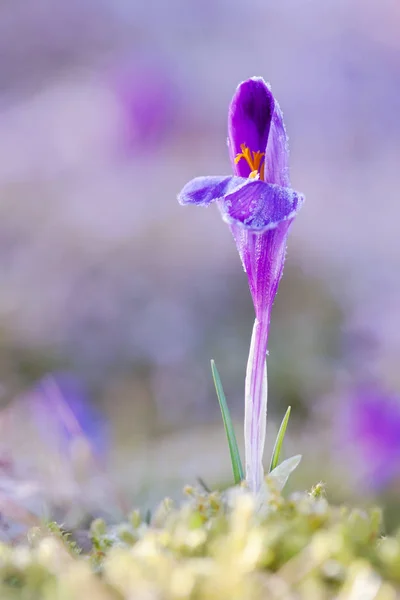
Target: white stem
{"x":255,"y":413}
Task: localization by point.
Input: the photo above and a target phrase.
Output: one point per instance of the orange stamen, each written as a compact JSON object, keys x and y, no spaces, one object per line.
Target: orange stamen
{"x":253,"y":159}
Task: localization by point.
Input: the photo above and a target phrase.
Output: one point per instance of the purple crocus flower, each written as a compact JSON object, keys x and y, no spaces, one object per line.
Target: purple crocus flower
{"x":370,"y":429}
{"x":259,"y":206}
{"x":147,"y":95}
{"x":60,"y":403}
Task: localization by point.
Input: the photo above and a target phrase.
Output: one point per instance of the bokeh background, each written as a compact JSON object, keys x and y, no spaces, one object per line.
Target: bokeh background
{"x":107,"y":107}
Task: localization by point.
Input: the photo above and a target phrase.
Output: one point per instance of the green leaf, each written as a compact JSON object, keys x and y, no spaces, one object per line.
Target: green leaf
{"x":279,"y":441}
{"x":281,"y":473}
{"x":230,"y":433}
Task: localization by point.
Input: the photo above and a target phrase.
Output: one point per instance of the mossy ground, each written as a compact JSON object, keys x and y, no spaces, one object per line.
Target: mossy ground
{"x":213,"y":547}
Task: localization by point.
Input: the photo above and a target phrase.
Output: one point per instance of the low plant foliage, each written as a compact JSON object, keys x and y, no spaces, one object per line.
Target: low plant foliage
{"x":213,"y":546}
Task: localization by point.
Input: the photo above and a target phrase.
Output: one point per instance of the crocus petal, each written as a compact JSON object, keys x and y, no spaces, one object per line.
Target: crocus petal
{"x":276,"y":164}
{"x":260,"y":206}
{"x":255,"y":119}
{"x":249,"y":120}
{"x":204,"y":190}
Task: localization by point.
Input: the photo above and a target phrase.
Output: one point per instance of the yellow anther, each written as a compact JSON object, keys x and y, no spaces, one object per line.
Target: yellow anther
{"x":253,"y":159}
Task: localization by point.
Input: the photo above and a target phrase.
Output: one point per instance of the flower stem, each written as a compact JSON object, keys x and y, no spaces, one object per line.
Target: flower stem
{"x":255,"y":416}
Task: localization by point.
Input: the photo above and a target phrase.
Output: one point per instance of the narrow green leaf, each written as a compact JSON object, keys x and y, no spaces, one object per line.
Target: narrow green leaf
{"x":230,"y":433}
{"x":279,"y":441}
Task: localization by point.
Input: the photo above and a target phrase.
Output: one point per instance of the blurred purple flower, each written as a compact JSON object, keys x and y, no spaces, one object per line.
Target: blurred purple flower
{"x":370,"y":429}
{"x":259,"y":205}
{"x":148,"y":100}
{"x":61,"y":404}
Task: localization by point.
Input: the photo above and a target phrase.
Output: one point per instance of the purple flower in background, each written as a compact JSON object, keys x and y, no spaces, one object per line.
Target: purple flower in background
{"x":148,"y":98}
{"x":370,"y":428}
{"x":54,"y":449}
{"x":61,"y":404}
{"x":259,"y":206}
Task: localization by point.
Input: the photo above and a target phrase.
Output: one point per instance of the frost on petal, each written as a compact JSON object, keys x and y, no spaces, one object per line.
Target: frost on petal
{"x":276,"y":164}
{"x":259,"y":206}
{"x":249,"y":120}
{"x":204,"y":190}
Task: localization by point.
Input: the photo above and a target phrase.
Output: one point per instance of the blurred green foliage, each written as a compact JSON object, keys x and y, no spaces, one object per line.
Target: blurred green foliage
{"x":214,"y":546}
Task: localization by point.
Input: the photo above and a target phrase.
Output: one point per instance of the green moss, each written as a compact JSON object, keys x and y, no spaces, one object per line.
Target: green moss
{"x":213,"y":547}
